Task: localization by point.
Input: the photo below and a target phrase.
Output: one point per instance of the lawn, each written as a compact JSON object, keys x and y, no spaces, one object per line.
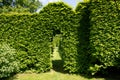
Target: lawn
{"x":52,"y":75}
{"x":56,"y":73}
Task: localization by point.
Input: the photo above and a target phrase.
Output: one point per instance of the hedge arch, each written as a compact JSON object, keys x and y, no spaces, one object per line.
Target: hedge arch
{"x":60,"y":17}
{"x":90,"y":40}
{"x":31,"y":36}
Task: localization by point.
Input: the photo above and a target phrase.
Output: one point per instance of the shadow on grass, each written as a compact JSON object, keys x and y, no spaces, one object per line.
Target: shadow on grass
{"x":113,"y":73}
{"x":58,"y":66}
{"x":12,"y":77}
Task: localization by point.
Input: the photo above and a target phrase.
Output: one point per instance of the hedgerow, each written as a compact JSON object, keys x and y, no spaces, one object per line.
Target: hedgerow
{"x":29,"y":36}
{"x":99,"y":33}
{"x":104,"y":34}
{"x":90,"y":36}
{"x":63,"y":20}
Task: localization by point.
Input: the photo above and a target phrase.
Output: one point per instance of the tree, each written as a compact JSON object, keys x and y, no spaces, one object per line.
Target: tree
{"x":31,"y":5}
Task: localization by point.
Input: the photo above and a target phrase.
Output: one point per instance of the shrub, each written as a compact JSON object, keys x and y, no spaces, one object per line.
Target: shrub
{"x":8,"y":62}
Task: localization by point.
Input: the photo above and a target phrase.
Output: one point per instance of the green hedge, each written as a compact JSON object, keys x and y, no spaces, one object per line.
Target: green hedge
{"x":62,"y":19}
{"x":29,"y":36}
{"x":84,"y":57}
{"x":32,"y":35}
{"x":90,"y":38}
{"x":104,"y":34}
{"x":99,"y":41}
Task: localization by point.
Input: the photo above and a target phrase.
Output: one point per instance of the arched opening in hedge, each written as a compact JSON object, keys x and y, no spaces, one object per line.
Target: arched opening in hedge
{"x":57,"y":62}
{"x":61,"y":19}
{"x":31,"y":36}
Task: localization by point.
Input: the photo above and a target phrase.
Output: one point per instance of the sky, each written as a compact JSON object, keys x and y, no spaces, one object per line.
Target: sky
{"x":72,"y":3}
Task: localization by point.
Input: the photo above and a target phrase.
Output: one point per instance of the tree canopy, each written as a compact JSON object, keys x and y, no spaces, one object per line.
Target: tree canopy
{"x":16,"y":5}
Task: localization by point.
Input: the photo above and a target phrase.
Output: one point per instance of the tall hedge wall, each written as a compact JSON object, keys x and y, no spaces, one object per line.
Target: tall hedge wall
{"x":104,"y":34}
{"x":90,"y":36}
{"x":99,"y":35}
{"x":60,"y":17}
{"x":30,"y":36}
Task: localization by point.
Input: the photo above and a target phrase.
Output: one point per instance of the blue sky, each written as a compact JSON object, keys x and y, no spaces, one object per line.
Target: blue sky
{"x":72,"y":3}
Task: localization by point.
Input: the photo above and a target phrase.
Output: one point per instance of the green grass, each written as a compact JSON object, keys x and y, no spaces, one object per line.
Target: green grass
{"x":52,"y":75}
{"x":56,"y":55}
{"x":56,"y":73}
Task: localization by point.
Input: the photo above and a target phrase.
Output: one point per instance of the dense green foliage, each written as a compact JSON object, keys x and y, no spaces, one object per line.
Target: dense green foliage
{"x":9,"y":9}
{"x":29,"y":36}
{"x":104,"y":34}
{"x":90,"y":37}
{"x":83,"y":48}
{"x":8,"y":61}
{"x":7,"y":6}
{"x":62,"y":20}
{"x":99,"y":35}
